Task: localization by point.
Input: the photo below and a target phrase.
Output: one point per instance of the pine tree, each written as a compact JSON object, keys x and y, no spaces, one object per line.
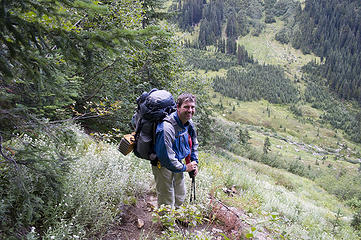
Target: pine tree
{"x":232,"y":26}
{"x":266,"y":146}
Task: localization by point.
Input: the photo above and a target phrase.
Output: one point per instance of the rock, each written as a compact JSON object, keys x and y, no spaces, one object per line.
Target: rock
{"x":216,"y":230}
{"x":140,"y":223}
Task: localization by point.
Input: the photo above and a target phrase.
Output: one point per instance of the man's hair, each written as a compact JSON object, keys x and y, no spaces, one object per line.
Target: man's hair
{"x":185,"y":97}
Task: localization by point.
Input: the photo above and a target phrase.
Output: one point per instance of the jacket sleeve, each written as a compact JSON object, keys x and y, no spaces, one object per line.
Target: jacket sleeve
{"x":165,"y":136}
{"x":193,"y":134}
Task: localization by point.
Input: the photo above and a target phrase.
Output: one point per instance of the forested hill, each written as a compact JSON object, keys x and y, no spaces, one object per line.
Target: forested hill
{"x":330,"y":29}
{"x":327,"y":29}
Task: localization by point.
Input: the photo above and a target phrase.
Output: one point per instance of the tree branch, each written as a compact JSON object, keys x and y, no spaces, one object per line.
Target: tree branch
{"x":9,"y":159}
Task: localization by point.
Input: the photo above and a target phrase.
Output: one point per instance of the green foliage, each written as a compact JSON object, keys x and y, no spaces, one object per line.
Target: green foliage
{"x":256,"y":81}
{"x":190,"y":13}
{"x":223,"y":135}
{"x":296,"y":109}
{"x":243,"y":136}
{"x":303,"y":211}
{"x":232,"y":26}
{"x":257,"y":27}
{"x":231,"y":46}
{"x":199,"y":235}
{"x":172,"y":219}
{"x":152,"y":12}
{"x":236,"y":16}
{"x":345,"y":186}
{"x":242,"y":56}
{"x":296,"y":167}
{"x":83,"y":54}
{"x":79,"y":59}
{"x":64,"y":187}
{"x":70,"y":188}
{"x":285,"y":8}
{"x":32,"y":169}
{"x":169,"y":217}
{"x":98,"y":185}
{"x":253,"y":8}
{"x":356,"y":221}
{"x":283,"y":36}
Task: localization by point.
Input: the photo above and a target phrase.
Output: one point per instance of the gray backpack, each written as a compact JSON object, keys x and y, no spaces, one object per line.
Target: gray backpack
{"x":153,"y":107}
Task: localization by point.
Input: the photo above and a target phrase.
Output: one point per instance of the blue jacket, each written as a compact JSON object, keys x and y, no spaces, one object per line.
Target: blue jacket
{"x":172,"y":145}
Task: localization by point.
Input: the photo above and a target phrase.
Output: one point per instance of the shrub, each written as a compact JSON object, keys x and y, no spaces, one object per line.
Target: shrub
{"x":356,"y":221}
{"x":32,"y":171}
{"x":65,"y":185}
{"x":224,"y":135}
{"x":98,"y":184}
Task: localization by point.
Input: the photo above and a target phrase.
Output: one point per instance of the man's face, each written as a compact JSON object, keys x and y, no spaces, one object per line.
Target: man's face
{"x":186,"y":111}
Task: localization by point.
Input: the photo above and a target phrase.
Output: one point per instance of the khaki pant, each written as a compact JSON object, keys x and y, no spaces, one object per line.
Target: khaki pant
{"x":170,"y":186}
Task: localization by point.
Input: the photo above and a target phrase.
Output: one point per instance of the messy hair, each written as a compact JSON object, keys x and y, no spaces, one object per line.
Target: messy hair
{"x":185,"y":97}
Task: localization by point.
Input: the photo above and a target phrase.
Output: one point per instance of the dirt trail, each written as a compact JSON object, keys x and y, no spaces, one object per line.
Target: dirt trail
{"x":136,"y":222}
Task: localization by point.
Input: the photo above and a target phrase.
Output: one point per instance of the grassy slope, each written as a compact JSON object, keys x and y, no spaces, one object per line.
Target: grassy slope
{"x":290,"y":137}
{"x":265,"y":189}
{"x":302,"y":209}
{"x":266,"y":50}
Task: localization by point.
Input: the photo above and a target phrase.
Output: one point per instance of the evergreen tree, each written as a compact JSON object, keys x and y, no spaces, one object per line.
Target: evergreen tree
{"x":254,"y":82}
{"x":151,"y":11}
{"x":244,"y":136}
{"x":242,"y":22}
{"x":232,"y":26}
{"x":266,"y":146}
{"x":242,"y":56}
{"x":190,"y":13}
{"x":231,"y":46}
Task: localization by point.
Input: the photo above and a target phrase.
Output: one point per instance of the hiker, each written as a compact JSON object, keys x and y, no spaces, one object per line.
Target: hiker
{"x":174,"y":136}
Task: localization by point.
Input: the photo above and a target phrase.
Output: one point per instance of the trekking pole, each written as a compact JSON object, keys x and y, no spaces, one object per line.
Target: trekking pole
{"x":191,"y":174}
{"x":193,"y":186}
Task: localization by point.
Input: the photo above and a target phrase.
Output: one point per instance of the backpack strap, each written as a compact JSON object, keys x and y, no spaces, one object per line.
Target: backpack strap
{"x":156,"y":161}
{"x":155,"y":128}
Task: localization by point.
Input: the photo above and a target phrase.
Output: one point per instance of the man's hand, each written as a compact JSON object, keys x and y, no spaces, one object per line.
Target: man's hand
{"x":192,"y":166}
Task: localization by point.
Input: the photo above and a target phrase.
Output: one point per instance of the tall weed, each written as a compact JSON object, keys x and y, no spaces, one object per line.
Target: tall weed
{"x":98,"y":184}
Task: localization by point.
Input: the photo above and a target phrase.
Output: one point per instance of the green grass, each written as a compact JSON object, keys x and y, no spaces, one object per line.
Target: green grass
{"x":303,"y":209}
{"x":305,"y":132}
{"x":265,"y":49}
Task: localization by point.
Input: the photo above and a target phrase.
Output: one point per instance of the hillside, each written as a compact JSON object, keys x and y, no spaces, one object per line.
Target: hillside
{"x":302,"y":141}
{"x":236,"y":197}
{"x":280,"y":153}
